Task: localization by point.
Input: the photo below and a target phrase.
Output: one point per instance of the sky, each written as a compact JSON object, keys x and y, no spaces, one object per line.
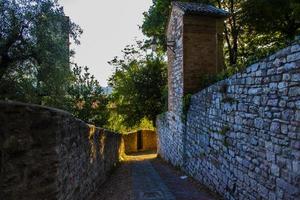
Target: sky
{"x":108,"y":27}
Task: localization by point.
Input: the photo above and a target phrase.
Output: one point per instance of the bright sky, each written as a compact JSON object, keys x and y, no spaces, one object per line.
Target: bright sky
{"x":108,"y":27}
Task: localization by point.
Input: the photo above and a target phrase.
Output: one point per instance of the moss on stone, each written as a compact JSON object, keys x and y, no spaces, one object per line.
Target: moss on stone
{"x":230,"y":100}
{"x":224,"y":130}
{"x":186,"y":106}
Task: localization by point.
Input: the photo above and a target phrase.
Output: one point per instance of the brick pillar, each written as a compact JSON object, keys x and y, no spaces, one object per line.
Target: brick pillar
{"x":195,"y":35}
{"x":202,"y":49}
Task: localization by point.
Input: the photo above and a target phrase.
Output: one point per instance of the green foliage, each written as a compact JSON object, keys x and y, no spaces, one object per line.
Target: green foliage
{"x":223,"y":88}
{"x":253,"y":49}
{"x":34,"y":51}
{"x":155,"y":21}
{"x":138,"y":85}
{"x":224,"y":130}
{"x":116,"y":123}
{"x":86,"y":99}
{"x":271,"y":16}
{"x":225,"y":142}
{"x":202,"y":155}
{"x":254,"y":29}
{"x":209,"y":79}
{"x":228,"y":99}
{"x":165,"y":98}
{"x":34,"y":61}
{"x":115,"y":120}
{"x":186,"y":101}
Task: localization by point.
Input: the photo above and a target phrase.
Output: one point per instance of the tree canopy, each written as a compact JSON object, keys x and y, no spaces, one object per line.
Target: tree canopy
{"x":86,"y":99}
{"x":254,"y":29}
{"x":35,"y":54}
{"x":34,"y":60}
{"x":139,"y":85}
{"x":277,"y":21}
{"x":270,"y":16}
{"x":34,"y":51}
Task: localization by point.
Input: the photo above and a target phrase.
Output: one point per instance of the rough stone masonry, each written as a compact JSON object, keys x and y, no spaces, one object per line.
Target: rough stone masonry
{"x":241,"y":136}
{"x":48,"y":154}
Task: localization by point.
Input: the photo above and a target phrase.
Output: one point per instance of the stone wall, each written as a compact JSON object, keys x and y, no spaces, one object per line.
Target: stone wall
{"x":130,"y":143}
{"x":175,"y":61}
{"x":242,"y":135}
{"x":170,"y":130}
{"x":171,"y":135}
{"x":49,"y":154}
{"x":149,"y":141}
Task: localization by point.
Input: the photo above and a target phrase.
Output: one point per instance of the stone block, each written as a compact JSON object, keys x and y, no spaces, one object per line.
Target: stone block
{"x":282,"y":103}
{"x":290,"y":189}
{"x":282,"y":85}
{"x":276,"y":78}
{"x":255,"y":91}
{"x":272,"y":196}
{"x":293,"y":57}
{"x":253,"y":68}
{"x":275,"y":170}
{"x":296,"y":77}
{"x":273,"y":102}
{"x":286,"y":77}
{"x":258,"y":123}
{"x":295,"y":144}
{"x":279,"y":61}
{"x":273,"y":86}
{"x":259,"y":73}
{"x":294,"y":91}
{"x":290,"y":66}
{"x":296,"y":167}
{"x":271,"y":72}
{"x":295,"y":48}
{"x":297,"y":115}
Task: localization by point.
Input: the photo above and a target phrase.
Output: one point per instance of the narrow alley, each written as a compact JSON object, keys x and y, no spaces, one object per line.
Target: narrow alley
{"x":143,"y":176}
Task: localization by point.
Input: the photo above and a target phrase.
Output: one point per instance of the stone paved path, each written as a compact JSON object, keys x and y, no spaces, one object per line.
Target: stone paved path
{"x":145,"y":177}
{"x":147,"y":184}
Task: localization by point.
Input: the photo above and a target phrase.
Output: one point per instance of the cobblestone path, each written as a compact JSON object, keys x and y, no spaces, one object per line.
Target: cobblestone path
{"x":145,"y":177}
{"x":147,"y":184}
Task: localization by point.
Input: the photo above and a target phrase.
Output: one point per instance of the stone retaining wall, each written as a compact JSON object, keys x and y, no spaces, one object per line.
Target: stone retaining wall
{"x":170,"y":137}
{"x":242,"y":135}
{"x":49,"y":154}
{"x":149,"y":141}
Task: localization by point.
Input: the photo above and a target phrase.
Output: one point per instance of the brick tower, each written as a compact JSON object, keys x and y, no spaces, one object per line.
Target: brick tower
{"x":195,"y":48}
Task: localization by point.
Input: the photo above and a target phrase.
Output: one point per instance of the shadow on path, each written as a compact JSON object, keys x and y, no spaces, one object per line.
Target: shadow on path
{"x":143,"y":176}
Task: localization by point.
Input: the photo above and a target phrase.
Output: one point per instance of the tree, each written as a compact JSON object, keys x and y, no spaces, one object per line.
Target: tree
{"x":232,"y":28}
{"x":138,"y":85}
{"x":86,"y":99}
{"x":34,"y":51}
{"x":155,"y":23}
{"x":271,"y":16}
{"x":155,"y":20}
{"x":266,"y":24}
